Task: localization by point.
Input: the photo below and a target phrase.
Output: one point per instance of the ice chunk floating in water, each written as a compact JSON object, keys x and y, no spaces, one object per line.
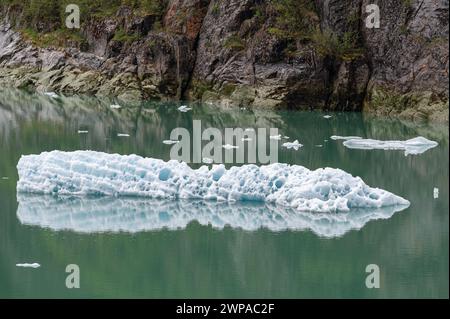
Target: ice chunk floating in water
{"x":28,"y":265}
{"x":96,"y":173}
{"x":132,"y":215}
{"x":413,"y":146}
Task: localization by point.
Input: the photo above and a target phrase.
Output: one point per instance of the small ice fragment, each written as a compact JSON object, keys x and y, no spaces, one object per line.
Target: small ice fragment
{"x":325,"y":141}
{"x":5,"y":177}
{"x":184,"y":108}
{"x":275,"y":137}
{"x":412,"y":146}
{"x":250,"y":129}
{"x":243,"y":108}
{"x":294,"y":145}
{"x":286,"y":137}
{"x":436,"y":192}
{"x":170,"y":142}
{"x":115,"y":106}
{"x":327,"y":116}
{"x":27,"y":265}
{"x":246,"y":139}
{"x":82,"y":132}
{"x":229,"y":147}
{"x":319,"y":145}
{"x":345,"y":138}
{"x":123,"y":135}
{"x":207,"y":160}
{"x":51,"y":94}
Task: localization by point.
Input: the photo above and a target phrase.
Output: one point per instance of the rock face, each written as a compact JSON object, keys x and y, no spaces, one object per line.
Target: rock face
{"x":242,"y":53}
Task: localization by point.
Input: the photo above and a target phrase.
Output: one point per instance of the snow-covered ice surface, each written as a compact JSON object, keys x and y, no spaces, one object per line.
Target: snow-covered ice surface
{"x":94,"y":173}
{"x":412,"y":146}
{"x":132,"y":215}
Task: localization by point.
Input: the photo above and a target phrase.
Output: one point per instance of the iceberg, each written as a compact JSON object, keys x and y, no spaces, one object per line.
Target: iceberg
{"x":84,"y":173}
{"x":413,"y":146}
{"x":292,"y":145}
{"x":133,"y":215}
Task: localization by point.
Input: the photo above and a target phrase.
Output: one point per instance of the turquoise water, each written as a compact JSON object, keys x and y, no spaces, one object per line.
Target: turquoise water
{"x":322,"y":259}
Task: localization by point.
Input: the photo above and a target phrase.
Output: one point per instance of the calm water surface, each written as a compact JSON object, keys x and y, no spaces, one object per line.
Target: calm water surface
{"x":195,"y":260}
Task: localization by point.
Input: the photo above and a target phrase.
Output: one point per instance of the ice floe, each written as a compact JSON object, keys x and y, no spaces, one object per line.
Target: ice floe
{"x":28,"y":265}
{"x":184,"y":108}
{"x":51,"y":94}
{"x":123,"y":135}
{"x":170,"y":142}
{"x":436,"y":193}
{"x":229,"y":146}
{"x":292,"y":145}
{"x":327,"y":116}
{"x":412,"y":146}
{"x":132,"y":215}
{"x":83,"y":132}
{"x":95,"y":173}
{"x":275,"y":137}
{"x":115,"y":106}
{"x":337,"y":137}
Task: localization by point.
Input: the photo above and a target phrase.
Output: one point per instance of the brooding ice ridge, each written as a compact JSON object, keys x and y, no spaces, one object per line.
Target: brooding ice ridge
{"x":132,"y":215}
{"x":413,"y":146}
{"x":95,"y":173}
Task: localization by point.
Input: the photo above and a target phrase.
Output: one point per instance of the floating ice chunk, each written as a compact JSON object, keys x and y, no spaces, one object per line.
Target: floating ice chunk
{"x":286,"y":137}
{"x":327,"y":116}
{"x":292,"y":145}
{"x":207,"y":160}
{"x":170,"y":142}
{"x":229,"y":146}
{"x":184,"y":108}
{"x":95,"y":173}
{"x":27,"y":265}
{"x":319,"y":145}
{"x":51,"y":94}
{"x":250,"y":129}
{"x":436,"y":193}
{"x":275,"y":137}
{"x":123,"y":135}
{"x":5,"y":177}
{"x":345,"y":138}
{"x":246,"y":139}
{"x":413,"y":146}
{"x":115,"y":106}
{"x":132,"y":215}
{"x":82,"y":132}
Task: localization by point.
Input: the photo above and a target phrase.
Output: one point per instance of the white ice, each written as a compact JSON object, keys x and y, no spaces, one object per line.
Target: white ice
{"x":229,"y":146}
{"x":184,"y":108}
{"x":436,"y":193}
{"x":413,"y":146}
{"x":292,"y":145}
{"x":123,"y":135}
{"x":170,"y":142}
{"x":51,"y":94}
{"x":28,"y":265}
{"x":94,"y":173}
{"x":132,"y":215}
{"x":115,"y":106}
{"x":327,"y":116}
{"x":275,"y":137}
{"x":82,"y":132}
{"x":337,"y":137}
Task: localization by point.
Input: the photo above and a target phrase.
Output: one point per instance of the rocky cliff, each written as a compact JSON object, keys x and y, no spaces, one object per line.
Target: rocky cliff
{"x":298,"y":54}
